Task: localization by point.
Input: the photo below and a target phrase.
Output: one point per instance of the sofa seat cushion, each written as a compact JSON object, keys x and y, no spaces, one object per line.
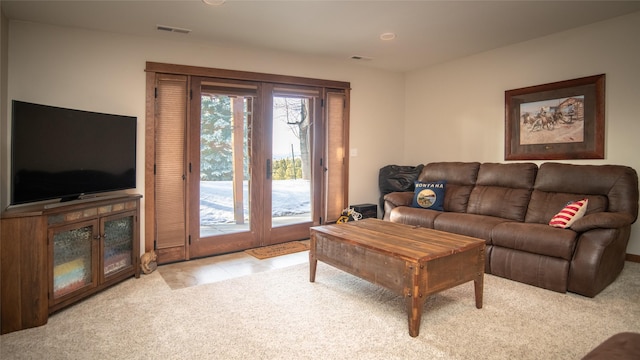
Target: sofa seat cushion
{"x":414,"y":216}
{"x":538,"y":239}
{"x":478,"y":226}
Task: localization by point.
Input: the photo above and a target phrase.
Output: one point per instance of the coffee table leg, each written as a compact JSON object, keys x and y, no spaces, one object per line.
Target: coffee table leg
{"x":478,"y":285}
{"x":415,"y":304}
{"x":313,"y":262}
{"x":414,"y":299}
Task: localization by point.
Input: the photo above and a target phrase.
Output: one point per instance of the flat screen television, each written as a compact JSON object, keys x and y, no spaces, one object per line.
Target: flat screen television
{"x":59,"y":153}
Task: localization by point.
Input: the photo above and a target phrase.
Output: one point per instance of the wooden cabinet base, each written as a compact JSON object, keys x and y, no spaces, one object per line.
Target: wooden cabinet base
{"x":23,"y":274}
{"x":27,"y":256}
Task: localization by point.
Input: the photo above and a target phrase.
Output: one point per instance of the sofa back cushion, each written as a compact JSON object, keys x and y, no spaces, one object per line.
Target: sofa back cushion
{"x":611,"y":188}
{"x":460,"y":178}
{"x":503,"y":190}
{"x":544,"y":205}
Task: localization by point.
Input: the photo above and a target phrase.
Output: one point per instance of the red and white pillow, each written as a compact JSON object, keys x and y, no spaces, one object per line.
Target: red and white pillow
{"x":567,"y":216}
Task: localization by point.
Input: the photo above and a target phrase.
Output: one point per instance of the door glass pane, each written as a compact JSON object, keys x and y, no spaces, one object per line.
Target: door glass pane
{"x":224,"y":164}
{"x":291,"y":161}
{"x":118,"y":244}
{"x":72,"y":258}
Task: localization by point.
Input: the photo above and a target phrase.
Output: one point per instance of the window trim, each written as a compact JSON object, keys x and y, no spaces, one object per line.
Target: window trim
{"x":243,"y":75}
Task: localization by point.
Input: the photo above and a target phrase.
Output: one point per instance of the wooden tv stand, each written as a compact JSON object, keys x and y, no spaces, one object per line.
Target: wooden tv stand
{"x":53,"y":257}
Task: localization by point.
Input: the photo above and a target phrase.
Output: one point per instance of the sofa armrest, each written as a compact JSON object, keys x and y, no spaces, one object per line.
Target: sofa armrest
{"x":600,"y":251}
{"x":399,"y":198}
{"x":395,"y":199}
{"x":602,"y":220}
{"x":597,"y":260}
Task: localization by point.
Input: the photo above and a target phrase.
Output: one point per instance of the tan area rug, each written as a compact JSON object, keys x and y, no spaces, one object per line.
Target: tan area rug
{"x":270,"y":251}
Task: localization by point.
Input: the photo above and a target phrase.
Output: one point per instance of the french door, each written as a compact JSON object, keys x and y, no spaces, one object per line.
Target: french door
{"x":240,"y":160}
{"x":252,"y":164}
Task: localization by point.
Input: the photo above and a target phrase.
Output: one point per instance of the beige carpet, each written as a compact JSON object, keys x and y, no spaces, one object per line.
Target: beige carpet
{"x":280,"y":315}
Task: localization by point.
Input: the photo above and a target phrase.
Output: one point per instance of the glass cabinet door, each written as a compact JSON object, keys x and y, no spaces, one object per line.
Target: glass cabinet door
{"x":118,"y":237}
{"x":74,"y":253}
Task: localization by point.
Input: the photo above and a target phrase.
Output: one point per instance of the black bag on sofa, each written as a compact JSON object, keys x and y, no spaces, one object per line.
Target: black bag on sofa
{"x":392,"y":178}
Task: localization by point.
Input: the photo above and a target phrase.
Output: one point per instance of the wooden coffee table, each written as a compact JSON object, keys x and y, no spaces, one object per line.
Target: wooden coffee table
{"x":411,"y":261}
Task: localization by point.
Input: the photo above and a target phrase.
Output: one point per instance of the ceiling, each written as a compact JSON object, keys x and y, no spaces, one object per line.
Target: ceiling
{"x":427,"y":32}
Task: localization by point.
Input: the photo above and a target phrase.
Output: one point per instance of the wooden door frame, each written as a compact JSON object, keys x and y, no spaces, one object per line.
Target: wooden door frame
{"x":154,"y":68}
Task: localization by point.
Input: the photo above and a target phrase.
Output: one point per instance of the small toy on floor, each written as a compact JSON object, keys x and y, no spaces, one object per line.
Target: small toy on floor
{"x":148,"y":262}
{"x":349,"y":214}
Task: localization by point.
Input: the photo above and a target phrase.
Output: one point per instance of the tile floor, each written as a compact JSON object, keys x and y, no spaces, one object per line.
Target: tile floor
{"x":223,"y":267}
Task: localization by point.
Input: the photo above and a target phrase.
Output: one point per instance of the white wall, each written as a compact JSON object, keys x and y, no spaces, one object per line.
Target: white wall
{"x":464,"y":99}
{"x":104,"y":72}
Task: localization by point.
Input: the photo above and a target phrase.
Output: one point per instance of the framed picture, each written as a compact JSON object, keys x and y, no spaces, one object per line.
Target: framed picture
{"x":555,"y":121}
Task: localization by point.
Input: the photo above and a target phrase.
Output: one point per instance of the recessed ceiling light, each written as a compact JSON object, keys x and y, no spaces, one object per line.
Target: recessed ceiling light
{"x":387,"y":36}
{"x":214,"y":2}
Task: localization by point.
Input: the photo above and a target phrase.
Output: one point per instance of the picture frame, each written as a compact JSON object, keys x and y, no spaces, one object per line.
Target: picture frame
{"x":556,"y":121}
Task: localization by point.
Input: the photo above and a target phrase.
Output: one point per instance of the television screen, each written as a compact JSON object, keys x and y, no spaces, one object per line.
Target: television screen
{"x":65,"y":153}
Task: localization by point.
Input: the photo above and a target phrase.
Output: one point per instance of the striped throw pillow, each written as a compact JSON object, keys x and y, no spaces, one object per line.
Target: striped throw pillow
{"x":567,"y":216}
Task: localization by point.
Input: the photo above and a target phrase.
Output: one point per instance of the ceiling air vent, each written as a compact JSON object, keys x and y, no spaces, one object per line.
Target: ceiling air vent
{"x":172,"y":29}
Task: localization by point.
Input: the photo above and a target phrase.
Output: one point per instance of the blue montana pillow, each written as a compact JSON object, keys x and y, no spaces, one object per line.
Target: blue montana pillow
{"x":429,"y":195}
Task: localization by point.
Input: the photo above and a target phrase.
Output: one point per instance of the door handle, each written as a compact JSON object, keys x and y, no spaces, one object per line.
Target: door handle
{"x":268,"y":169}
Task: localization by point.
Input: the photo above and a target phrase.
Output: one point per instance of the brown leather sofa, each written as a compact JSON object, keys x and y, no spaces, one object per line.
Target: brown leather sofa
{"x":510,"y":205}
{"x":621,"y":346}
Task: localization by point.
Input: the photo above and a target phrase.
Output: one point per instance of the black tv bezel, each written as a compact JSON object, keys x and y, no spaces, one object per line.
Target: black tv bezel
{"x":71,"y":195}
